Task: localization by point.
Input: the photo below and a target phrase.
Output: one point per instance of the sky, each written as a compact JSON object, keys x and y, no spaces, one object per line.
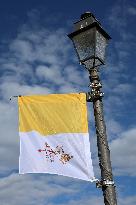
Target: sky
{"x":36,"y":57}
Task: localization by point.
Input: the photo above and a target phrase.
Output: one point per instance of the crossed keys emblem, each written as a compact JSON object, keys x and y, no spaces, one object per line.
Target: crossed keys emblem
{"x":58,"y":151}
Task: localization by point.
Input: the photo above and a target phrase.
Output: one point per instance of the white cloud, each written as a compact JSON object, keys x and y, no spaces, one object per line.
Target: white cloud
{"x":51,"y":74}
{"x":20,"y":189}
{"x":74,"y":75}
{"x":11,"y":89}
{"x":9,"y":141}
{"x":23,"y":48}
{"x":132,"y":11}
{"x":123,"y":152}
{"x":87,"y":201}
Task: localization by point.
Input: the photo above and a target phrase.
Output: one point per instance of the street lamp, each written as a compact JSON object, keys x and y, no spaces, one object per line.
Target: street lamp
{"x":90,"y":41}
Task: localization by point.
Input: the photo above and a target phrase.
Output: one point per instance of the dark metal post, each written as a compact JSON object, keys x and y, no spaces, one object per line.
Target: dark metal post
{"x":106,"y":182}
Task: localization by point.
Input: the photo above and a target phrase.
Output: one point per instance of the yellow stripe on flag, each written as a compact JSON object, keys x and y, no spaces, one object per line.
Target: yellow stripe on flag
{"x":53,"y":114}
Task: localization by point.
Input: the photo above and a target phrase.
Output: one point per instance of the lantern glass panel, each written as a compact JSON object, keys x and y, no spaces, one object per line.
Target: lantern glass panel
{"x":84,"y":43}
{"x":91,"y":63}
{"x":101,"y":43}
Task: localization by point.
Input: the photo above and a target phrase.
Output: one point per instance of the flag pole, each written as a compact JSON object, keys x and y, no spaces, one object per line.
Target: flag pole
{"x":106,"y":184}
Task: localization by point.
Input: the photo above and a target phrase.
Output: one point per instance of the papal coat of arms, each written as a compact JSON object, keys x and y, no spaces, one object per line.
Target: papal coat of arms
{"x":50,"y":154}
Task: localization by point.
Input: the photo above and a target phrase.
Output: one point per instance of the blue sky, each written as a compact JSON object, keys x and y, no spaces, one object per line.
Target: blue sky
{"x":36,"y":57}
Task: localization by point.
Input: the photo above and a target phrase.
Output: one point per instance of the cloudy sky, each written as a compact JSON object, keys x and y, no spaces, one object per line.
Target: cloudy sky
{"x":36,"y":57}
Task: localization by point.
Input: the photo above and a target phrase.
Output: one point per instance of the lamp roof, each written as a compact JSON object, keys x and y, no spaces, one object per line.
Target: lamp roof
{"x":94,"y":24}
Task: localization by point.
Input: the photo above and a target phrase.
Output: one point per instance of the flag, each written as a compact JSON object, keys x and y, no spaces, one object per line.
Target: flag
{"x":54,"y":135}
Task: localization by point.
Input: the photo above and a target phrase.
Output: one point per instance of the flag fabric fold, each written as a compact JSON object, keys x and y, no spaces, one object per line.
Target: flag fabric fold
{"x":54,"y":135}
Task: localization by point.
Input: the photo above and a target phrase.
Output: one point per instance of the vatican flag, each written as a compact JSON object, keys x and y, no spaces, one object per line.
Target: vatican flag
{"x":54,"y":135}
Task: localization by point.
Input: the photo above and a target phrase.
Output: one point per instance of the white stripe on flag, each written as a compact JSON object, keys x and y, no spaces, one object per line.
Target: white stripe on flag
{"x":65,"y":154}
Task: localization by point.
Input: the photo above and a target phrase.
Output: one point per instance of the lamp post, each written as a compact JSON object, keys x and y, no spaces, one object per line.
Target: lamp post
{"x":90,"y":41}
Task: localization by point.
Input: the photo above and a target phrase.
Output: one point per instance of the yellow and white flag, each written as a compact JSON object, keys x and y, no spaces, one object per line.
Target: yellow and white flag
{"x":54,"y":135}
